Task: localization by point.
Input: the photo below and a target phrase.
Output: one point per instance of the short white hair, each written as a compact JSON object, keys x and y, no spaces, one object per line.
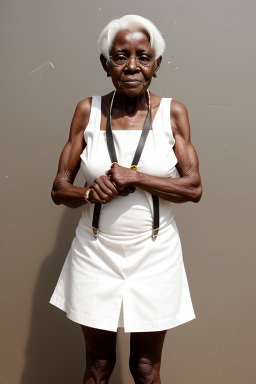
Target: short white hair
{"x":132,"y":23}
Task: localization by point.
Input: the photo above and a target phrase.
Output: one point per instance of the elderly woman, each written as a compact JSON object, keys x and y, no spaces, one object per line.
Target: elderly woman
{"x":125,"y":266}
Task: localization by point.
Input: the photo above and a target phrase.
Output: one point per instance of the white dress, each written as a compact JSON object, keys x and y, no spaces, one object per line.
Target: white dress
{"x":124,"y":278}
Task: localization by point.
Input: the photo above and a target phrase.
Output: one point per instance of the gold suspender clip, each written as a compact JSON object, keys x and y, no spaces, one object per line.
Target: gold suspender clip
{"x":154,"y":233}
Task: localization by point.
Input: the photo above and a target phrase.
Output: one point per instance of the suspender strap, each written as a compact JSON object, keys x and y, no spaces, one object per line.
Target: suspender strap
{"x":96,"y":218}
{"x":155,"y":216}
{"x":155,"y":229}
{"x":110,"y":141}
{"x":113,"y":157}
{"x":143,"y":138}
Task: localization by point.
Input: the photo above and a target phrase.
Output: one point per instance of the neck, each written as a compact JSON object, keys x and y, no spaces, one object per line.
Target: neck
{"x":130,"y":105}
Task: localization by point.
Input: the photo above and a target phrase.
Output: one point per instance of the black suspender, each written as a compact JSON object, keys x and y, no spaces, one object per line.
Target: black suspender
{"x":136,"y":158}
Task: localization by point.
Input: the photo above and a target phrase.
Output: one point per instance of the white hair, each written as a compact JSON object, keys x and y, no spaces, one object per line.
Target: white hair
{"x":132,"y":23}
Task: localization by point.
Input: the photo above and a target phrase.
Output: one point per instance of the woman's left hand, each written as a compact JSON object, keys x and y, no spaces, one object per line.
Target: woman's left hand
{"x":122,"y":177}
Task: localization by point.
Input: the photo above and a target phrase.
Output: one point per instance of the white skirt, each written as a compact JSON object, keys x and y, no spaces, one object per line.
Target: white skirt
{"x":124,"y":278}
{"x":128,"y":281}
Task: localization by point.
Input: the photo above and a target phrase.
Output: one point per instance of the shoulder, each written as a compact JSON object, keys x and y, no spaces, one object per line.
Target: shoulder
{"x":81,"y":116}
{"x":178,"y":110}
{"x":83,"y":108}
{"x":179,"y":119}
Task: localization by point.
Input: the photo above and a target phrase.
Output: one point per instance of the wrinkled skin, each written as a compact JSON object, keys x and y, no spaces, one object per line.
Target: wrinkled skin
{"x":129,"y":112}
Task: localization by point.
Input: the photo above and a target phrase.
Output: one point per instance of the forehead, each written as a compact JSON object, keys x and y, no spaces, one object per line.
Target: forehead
{"x":127,"y":40}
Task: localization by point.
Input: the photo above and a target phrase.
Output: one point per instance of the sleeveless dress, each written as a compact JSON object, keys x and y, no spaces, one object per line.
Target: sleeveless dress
{"x":124,"y":278}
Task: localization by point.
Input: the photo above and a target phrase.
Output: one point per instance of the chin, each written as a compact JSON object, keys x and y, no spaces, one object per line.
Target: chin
{"x":132,"y":90}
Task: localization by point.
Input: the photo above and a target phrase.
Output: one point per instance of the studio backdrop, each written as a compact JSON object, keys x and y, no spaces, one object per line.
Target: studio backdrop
{"x":49,"y":62}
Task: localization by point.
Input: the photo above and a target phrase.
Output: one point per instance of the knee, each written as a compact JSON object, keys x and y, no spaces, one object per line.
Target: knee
{"x":143,"y":370}
{"x":101,"y":369}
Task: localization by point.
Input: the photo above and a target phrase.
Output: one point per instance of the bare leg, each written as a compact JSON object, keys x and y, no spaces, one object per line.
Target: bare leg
{"x":145,"y":356}
{"x":100,"y":355}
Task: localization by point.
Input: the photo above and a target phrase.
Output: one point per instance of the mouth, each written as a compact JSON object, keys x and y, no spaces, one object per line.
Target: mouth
{"x":132,"y":81}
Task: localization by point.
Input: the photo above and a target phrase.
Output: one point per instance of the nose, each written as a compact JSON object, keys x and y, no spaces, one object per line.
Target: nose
{"x":132,"y":63}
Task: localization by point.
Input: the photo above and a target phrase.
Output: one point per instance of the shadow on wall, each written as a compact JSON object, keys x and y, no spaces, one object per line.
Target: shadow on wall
{"x":55,"y":350}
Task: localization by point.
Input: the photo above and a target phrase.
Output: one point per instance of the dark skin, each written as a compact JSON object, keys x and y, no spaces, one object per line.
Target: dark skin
{"x":129,"y":112}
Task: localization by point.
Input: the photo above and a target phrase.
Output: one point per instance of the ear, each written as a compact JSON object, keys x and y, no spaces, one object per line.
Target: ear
{"x":158,"y":63}
{"x":104,"y":63}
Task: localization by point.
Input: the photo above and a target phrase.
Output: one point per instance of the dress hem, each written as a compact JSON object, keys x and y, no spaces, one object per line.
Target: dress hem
{"x":129,"y":326}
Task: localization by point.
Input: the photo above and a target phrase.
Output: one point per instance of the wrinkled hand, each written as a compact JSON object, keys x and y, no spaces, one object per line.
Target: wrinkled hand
{"x":103,"y":190}
{"x":123,"y":178}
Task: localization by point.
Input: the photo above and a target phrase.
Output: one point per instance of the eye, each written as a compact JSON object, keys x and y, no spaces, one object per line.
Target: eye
{"x":120,"y":58}
{"x":145,"y":58}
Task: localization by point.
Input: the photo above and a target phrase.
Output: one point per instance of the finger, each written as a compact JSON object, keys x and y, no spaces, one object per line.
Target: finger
{"x":94,"y":197}
{"x":106,"y":186}
{"x":100,"y":193}
{"x":103,"y":191}
{"x":112,"y":182}
{"x":111,"y":185}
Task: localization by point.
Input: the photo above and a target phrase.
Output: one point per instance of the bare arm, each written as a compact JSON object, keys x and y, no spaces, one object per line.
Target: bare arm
{"x":63,"y":190}
{"x":186,"y":188}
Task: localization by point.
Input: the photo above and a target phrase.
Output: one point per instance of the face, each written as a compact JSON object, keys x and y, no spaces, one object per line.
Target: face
{"x":131,"y":79}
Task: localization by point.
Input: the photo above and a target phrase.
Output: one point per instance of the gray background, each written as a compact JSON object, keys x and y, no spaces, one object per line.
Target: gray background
{"x":209,"y":65}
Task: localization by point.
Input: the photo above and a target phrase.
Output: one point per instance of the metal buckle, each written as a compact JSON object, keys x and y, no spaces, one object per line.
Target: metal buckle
{"x":95,"y":232}
{"x":155,"y":233}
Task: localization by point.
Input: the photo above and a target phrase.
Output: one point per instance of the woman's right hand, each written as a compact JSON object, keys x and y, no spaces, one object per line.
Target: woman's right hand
{"x":103,"y":190}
